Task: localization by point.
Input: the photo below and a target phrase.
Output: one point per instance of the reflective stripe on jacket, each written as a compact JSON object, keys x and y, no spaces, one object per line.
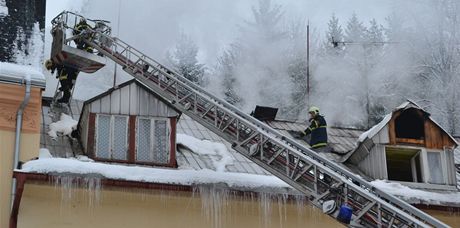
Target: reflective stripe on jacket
{"x":318,"y":131}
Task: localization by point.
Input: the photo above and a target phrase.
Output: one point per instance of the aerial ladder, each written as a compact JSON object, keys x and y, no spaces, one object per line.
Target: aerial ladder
{"x":305,"y":170}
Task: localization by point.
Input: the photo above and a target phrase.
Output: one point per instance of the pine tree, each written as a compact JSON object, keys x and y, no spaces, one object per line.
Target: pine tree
{"x":183,"y":59}
{"x":334,"y":36}
{"x":355,"y":30}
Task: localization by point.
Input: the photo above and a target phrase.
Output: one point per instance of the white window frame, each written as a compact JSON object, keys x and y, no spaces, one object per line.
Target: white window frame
{"x":111,"y":136}
{"x":152,"y":139}
{"x":443,"y":166}
{"x":426,"y":175}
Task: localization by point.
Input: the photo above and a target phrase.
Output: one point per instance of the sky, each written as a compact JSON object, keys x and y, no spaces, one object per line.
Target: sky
{"x":154,"y":25}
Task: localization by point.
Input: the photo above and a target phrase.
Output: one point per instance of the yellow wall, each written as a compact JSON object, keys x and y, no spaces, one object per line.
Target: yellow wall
{"x":10,"y":98}
{"x":450,"y":218}
{"x":30,"y":144}
{"x":48,"y":206}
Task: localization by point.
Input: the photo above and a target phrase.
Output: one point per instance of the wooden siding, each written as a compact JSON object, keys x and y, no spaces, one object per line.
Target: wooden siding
{"x":11,"y":97}
{"x":132,"y":100}
{"x":83,"y":128}
{"x":374,"y":165}
{"x":91,"y":135}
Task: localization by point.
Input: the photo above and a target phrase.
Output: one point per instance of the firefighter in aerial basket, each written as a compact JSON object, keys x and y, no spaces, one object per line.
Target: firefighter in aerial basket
{"x":78,"y":30}
{"x":318,"y":131}
{"x":67,"y":77}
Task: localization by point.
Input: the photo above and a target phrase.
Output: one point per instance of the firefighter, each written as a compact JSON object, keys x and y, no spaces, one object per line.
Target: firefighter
{"x":317,"y":129}
{"x":78,"y":29}
{"x":67,"y":77}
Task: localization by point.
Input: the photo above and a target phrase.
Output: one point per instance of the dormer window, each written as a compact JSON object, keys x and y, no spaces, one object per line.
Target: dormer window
{"x":129,"y":124}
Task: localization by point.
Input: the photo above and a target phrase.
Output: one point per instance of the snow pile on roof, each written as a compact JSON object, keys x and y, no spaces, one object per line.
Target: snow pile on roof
{"x":375,"y":129}
{"x":65,"y":125}
{"x":416,"y":195}
{"x":217,"y":151}
{"x":152,"y":175}
{"x":20,"y":71}
{"x":44,"y":153}
{"x":3,"y":9}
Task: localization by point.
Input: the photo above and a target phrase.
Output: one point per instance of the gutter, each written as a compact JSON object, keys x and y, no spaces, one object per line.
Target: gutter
{"x":19,"y":117}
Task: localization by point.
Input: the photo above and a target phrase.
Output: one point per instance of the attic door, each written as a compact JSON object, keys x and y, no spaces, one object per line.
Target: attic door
{"x":111,"y":137}
{"x":152,"y":140}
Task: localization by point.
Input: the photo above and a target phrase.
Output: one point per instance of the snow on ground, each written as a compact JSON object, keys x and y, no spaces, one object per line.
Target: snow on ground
{"x":152,"y":175}
{"x":3,"y":9}
{"x":217,"y":151}
{"x":416,"y":195}
{"x":65,"y":125}
{"x":20,"y":71}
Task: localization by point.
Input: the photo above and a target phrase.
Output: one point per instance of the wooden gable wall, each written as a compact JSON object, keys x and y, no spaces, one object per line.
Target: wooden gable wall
{"x":435,"y":136}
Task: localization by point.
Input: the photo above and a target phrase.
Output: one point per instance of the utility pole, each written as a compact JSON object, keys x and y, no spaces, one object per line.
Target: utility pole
{"x":118,"y":34}
{"x":308,"y":62}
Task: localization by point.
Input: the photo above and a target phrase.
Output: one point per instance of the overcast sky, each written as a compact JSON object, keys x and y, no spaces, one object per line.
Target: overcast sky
{"x":153,"y":25}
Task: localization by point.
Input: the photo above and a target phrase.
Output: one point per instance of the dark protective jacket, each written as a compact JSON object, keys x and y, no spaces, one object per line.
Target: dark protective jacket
{"x":318,"y":131}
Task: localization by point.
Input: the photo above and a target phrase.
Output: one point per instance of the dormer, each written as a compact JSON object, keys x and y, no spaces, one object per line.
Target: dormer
{"x":407,"y":146}
{"x":129,"y":124}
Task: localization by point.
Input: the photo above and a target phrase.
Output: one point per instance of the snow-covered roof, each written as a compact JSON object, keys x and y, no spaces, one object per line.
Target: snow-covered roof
{"x":202,"y":157}
{"x":419,"y":196}
{"x":341,"y":140}
{"x":14,"y":73}
{"x":237,"y":181}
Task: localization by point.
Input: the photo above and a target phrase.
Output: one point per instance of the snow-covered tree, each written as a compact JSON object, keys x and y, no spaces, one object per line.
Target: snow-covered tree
{"x":334,"y":37}
{"x":355,"y":30}
{"x":183,"y":59}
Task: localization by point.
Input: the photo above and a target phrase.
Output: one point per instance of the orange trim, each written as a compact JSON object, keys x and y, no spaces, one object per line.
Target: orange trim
{"x":20,"y":180}
{"x":172,"y":140}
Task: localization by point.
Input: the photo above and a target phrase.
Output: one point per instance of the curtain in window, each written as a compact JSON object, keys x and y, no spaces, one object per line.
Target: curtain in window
{"x":435,"y":168}
{"x":144,"y":151}
{"x":103,"y":137}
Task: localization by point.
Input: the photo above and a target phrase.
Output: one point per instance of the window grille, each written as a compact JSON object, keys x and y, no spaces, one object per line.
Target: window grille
{"x":144,"y":142}
{"x":152,"y":140}
{"x":111,"y":137}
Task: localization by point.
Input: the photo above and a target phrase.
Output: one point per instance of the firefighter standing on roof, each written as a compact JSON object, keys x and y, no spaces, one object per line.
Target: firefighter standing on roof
{"x":317,"y":129}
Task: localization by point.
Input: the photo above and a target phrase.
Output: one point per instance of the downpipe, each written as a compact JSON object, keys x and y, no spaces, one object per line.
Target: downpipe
{"x":19,"y":117}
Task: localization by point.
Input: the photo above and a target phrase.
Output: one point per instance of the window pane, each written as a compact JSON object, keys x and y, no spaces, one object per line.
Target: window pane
{"x":120,"y":138}
{"x":144,"y":152}
{"x":161,"y":152}
{"x":103,"y":137}
{"x":435,"y":168}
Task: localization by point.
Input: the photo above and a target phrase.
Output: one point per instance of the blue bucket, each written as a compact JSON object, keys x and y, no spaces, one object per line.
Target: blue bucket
{"x":345,"y":214}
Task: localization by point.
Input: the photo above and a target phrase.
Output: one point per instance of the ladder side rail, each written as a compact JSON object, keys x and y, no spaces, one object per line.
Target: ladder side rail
{"x":248,"y":119}
{"x":307,"y":160}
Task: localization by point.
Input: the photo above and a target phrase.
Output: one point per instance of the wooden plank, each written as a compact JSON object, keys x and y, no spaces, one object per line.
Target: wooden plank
{"x":428,"y":138}
{"x":411,"y":141}
{"x":124,"y":100}
{"x":133,"y":99}
{"x":115,"y":102}
{"x":391,"y":131}
{"x":132,"y":139}
{"x":143,"y":102}
{"x":11,"y":96}
{"x":91,"y":135}
{"x":95,"y":106}
{"x":105,"y":104}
